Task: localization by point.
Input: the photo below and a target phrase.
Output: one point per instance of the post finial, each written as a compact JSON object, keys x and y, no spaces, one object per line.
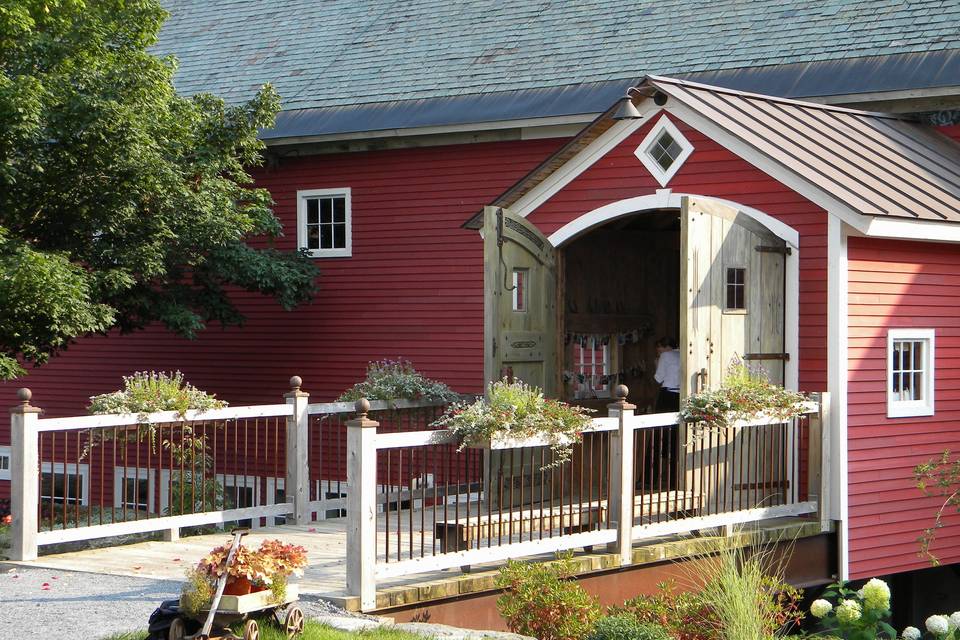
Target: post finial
{"x":295,"y":383}
{"x":362,"y":406}
{"x":621,"y":392}
{"x":24,"y":395}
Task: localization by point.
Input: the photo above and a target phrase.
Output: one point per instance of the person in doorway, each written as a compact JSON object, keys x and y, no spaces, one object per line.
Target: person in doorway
{"x":663,"y":468}
{"x":668,"y":375}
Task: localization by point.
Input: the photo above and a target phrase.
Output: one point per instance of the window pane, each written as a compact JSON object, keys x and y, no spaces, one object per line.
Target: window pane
{"x":340,"y":236}
{"x":326,"y":236}
{"x":326,"y":213}
{"x":312,"y":211}
{"x":520,"y":289}
{"x":313,"y":237}
{"x":896,"y":356}
{"x":339,"y":209}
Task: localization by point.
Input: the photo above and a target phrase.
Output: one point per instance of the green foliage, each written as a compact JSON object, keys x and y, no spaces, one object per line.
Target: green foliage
{"x":517,"y":410}
{"x":398,"y":380}
{"x":855,"y":615}
{"x":745,"y":393}
{"x":940,"y":478}
{"x":149,"y":391}
{"x":197,"y":592}
{"x":123,"y":204}
{"x":685,"y":615}
{"x":745,"y":591}
{"x":540,"y":600}
{"x":624,"y":627}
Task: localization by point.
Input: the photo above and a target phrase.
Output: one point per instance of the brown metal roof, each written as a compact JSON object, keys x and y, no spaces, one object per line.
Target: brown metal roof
{"x":877,"y":164}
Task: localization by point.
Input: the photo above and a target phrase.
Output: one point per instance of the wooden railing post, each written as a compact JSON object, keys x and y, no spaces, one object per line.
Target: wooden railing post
{"x":820,"y":442}
{"x":24,"y":477}
{"x":362,"y":507}
{"x":297,"y":483}
{"x":621,"y":475}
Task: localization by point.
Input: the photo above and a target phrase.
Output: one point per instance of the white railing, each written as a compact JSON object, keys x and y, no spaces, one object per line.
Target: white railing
{"x":476,"y":513}
{"x":86,"y":477}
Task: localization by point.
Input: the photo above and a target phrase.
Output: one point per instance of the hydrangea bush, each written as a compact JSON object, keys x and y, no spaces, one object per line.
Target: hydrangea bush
{"x":397,"y":380}
{"x":856,"y":615}
{"x":745,"y":393}
{"x":517,"y":410}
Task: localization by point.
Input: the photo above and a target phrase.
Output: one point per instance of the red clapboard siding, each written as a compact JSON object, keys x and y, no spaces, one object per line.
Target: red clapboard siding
{"x":894,"y":284}
{"x":413,"y":288}
{"x":714,"y":171}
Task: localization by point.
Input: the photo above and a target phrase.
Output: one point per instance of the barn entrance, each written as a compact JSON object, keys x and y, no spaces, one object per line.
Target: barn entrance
{"x":621,"y":292}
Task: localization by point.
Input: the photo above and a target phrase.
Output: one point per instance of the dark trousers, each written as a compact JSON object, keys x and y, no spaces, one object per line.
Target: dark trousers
{"x":663,"y":454}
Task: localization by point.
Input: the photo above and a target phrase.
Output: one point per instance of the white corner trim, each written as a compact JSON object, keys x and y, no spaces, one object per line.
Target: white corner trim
{"x":837,"y":374}
{"x":302,"y":196}
{"x":642,"y":152}
{"x":582,"y":161}
{"x":663,"y":199}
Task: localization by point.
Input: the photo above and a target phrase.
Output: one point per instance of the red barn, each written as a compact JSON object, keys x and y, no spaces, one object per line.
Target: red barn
{"x":817,"y":240}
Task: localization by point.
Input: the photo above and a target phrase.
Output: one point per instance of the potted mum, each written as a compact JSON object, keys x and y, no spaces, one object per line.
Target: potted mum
{"x":267,"y":568}
{"x":516,"y":414}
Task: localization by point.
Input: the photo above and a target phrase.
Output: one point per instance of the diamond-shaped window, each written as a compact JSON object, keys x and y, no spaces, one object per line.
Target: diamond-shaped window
{"x":664,"y":150}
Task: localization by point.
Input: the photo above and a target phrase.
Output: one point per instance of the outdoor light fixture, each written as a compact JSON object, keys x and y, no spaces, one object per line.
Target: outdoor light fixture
{"x":627,"y":110}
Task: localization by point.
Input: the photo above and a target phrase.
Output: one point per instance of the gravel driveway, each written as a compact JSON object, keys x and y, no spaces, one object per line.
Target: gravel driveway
{"x":39,"y":604}
{"x":45,"y":603}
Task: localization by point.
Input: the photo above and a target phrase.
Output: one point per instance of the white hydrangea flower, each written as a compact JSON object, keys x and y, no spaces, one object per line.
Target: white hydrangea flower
{"x":849,"y":611}
{"x":955,"y":619}
{"x":820,"y":608}
{"x":911,"y":633}
{"x":938,"y":625}
{"x":876,"y":595}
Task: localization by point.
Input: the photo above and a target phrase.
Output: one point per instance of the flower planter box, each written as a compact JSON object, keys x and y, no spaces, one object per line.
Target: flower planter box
{"x":256,"y":601}
{"x":509,"y":442}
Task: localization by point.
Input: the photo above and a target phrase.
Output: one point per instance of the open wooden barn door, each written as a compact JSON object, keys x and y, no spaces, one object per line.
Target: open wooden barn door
{"x":520,"y":301}
{"x":731,"y":294}
{"x":731,"y":306}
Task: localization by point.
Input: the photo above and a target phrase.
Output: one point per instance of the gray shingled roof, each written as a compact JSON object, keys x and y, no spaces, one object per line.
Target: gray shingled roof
{"x":333,"y":53}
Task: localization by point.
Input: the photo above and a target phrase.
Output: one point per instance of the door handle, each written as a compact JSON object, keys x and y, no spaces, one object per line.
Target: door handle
{"x":700,"y":380}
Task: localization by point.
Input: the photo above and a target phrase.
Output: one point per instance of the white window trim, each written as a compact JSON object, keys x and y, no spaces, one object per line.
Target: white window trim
{"x":140,"y":473}
{"x":590,"y":392}
{"x":911,"y":408}
{"x":71,"y":468}
{"x":5,"y":452}
{"x":642,"y":152}
{"x":302,"y":197}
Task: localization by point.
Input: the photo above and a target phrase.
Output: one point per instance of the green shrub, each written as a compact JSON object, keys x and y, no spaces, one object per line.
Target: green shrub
{"x":397,"y":380}
{"x":148,"y":391}
{"x":540,"y":600}
{"x":623,"y":627}
{"x":685,"y":615}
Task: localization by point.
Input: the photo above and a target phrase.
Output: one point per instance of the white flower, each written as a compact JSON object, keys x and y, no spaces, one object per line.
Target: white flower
{"x":911,"y":633}
{"x":938,"y":625}
{"x":876,"y":595}
{"x":955,"y":619}
{"x":820,"y":608}
{"x":849,"y":611}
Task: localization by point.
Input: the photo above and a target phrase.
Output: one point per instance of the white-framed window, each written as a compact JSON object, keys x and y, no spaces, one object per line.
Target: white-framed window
{"x":60,"y":482}
{"x":324,"y":223}
{"x":4,"y":463}
{"x":591,"y":368}
{"x":239,"y":491}
{"x":910,"y":372}
{"x":664,"y":150}
{"x":133,"y":488}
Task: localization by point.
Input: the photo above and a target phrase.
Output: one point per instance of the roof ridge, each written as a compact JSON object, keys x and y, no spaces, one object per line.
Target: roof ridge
{"x":769,"y":98}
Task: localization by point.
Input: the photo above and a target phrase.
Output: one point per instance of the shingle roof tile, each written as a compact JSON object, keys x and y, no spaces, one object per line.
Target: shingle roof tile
{"x":346,"y":52}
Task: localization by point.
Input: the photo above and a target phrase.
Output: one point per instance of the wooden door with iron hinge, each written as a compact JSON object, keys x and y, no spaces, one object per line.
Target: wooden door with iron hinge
{"x":732,"y":277}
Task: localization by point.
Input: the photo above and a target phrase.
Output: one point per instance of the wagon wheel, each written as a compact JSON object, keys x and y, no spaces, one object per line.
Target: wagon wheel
{"x":293,"y":623}
{"x":177,"y":630}
{"x":251,"y":630}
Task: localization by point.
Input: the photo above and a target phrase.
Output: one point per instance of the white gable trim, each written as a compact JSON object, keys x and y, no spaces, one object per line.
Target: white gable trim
{"x":584,"y":159}
{"x":663,"y":199}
